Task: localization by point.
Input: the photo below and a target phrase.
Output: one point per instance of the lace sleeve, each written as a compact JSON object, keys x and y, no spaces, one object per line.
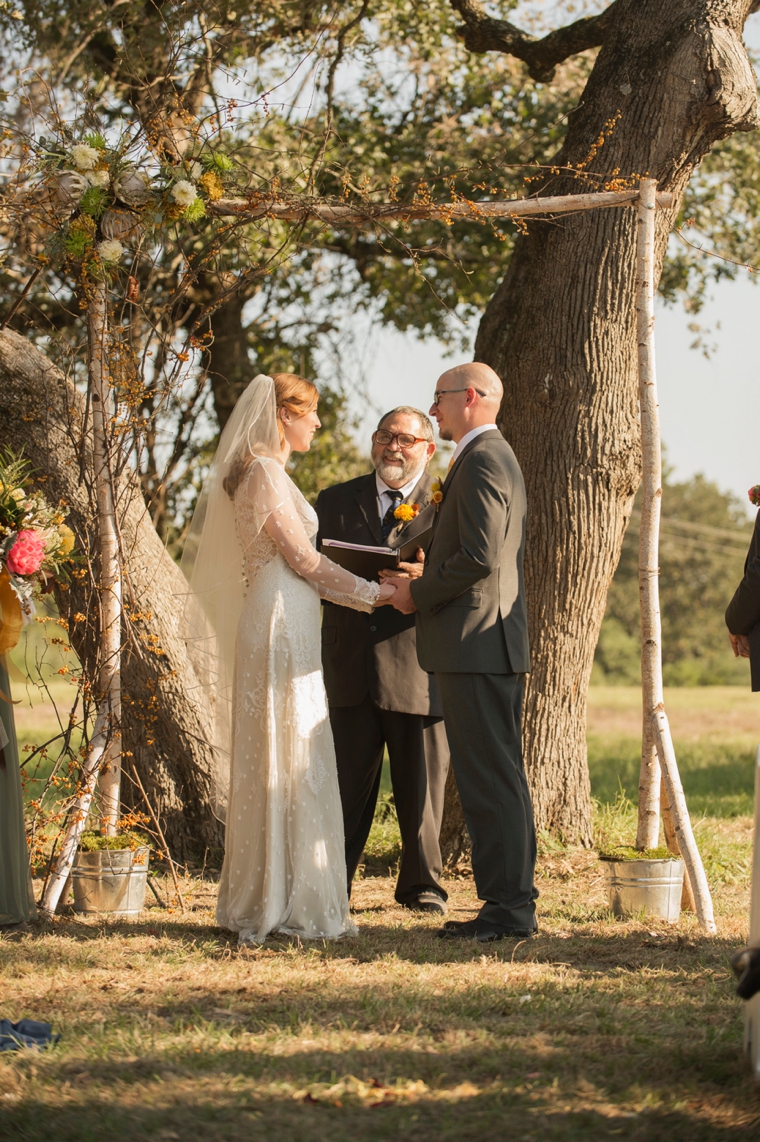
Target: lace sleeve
{"x":268,"y":489}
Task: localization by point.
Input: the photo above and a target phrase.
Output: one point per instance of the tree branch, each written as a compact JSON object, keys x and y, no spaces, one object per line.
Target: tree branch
{"x":483,"y":33}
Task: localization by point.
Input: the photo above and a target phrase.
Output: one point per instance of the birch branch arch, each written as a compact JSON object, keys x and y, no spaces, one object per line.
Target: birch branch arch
{"x":659,"y":768}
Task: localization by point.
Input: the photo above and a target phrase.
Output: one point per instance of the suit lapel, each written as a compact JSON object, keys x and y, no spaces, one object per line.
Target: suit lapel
{"x":490,"y":435}
{"x":446,"y":486}
{"x":366,"y":497}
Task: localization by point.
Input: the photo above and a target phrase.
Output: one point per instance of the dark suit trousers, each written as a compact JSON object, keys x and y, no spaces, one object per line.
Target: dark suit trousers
{"x":418,"y":754}
{"x":482,"y":713}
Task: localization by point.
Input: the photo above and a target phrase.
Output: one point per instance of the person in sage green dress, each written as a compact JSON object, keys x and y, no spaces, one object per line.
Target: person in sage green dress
{"x":16,"y":896}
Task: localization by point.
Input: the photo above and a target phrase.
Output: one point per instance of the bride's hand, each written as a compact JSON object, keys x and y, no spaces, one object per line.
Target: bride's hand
{"x":387,"y":591}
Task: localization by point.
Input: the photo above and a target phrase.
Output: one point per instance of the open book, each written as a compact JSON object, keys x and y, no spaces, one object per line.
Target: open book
{"x":367,"y":561}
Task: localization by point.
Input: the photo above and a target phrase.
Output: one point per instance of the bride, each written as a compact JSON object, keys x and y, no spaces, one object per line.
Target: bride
{"x":252,"y":620}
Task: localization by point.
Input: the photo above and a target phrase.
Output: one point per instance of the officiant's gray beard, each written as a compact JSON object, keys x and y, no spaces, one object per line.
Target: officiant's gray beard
{"x":399,"y":472}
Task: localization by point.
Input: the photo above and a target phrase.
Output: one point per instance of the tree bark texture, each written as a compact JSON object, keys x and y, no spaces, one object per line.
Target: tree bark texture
{"x":163,"y":734}
{"x":560,"y":331}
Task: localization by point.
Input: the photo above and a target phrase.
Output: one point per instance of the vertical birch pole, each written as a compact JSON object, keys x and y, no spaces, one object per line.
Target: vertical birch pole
{"x":109,"y":587}
{"x":658,"y":755}
{"x":104,"y":755}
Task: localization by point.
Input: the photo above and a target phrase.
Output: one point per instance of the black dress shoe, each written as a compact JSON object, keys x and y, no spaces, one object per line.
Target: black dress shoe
{"x":484,"y":931}
{"x":427,"y":901}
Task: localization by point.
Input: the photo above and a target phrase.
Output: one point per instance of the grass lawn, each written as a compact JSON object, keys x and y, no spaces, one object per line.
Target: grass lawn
{"x":596,"y":1029}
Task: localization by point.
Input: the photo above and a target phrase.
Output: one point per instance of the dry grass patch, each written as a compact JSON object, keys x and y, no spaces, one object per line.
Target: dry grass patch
{"x":596,"y":1029}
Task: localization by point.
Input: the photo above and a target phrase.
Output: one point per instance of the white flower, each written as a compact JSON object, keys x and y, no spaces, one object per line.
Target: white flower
{"x":184,"y":192}
{"x":84,"y":157}
{"x":98,"y":178}
{"x":110,"y":250}
{"x":19,"y":495}
{"x":195,"y":171}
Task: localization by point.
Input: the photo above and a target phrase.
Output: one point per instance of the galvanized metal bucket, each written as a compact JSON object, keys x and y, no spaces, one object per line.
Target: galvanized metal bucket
{"x":111,"y":880}
{"x":650,"y":886}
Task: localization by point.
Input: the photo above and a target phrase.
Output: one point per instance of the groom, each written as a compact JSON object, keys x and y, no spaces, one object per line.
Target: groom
{"x":472,"y":634}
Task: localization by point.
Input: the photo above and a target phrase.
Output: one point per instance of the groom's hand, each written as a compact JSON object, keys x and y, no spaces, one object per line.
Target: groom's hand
{"x":402,"y":599}
{"x":406,"y":570}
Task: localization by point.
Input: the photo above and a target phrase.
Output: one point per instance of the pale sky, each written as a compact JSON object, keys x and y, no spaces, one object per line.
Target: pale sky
{"x":710,"y":409}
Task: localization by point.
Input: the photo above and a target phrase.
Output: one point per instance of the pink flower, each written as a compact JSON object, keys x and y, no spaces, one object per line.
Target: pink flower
{"x":27,"y":553}
{"x":754,"y":495}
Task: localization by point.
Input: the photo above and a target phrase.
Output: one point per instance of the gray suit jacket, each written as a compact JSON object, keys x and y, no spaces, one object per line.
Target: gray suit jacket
{"x":471,"y":613}
{"x":743,"y":612}
{"x":373,"y":654}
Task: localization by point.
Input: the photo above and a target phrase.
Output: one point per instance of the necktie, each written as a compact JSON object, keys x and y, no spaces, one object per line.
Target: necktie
{"x":389,"y":520}
{"x":451,"y":465}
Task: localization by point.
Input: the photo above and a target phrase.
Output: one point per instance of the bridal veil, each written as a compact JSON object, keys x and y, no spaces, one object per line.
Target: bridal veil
{"x":212,"y":563}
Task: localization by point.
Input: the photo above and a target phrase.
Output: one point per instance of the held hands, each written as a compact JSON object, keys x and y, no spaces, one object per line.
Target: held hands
{"x":394,"y":584}
{"x":402,"y":599}
{"x":406,"y":570}
{"x":739,"y":644}
{"x":387,"y":591}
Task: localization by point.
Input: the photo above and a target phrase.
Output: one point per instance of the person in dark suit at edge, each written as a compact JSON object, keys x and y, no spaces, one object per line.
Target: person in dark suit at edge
{"x":472,"y":632}
{"x":743,"y":612}
{"x":377,"y":693}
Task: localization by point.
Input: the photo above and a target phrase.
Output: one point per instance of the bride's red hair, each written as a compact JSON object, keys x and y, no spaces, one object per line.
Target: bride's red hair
{"x":292,"y":392}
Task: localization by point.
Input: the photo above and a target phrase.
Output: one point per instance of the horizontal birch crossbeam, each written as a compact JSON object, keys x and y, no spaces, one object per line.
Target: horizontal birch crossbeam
{"x":352,"y":215}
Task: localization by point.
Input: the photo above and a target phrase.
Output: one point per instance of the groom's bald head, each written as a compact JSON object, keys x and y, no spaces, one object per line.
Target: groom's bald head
{"x":478,"y":376}
{"x":475,"y":393}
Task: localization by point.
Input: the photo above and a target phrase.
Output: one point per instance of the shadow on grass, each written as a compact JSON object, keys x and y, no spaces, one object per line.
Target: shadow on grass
{"x":379,"y":1095}
{"x":579,"y":944}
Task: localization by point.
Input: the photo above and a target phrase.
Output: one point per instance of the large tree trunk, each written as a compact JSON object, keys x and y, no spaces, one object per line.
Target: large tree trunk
{"x":560,"y":331}
{"x":163,"y":734}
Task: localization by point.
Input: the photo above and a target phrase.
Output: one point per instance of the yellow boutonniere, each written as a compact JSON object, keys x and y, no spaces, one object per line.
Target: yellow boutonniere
{"x":436,"y":493}
{"x":406,"y":512}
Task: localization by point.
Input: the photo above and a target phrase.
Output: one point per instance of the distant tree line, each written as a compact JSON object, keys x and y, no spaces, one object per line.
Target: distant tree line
{"x":704,"y":539}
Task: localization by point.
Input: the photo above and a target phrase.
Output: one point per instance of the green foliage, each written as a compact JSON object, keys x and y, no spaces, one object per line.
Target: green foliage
{"x":196,"y":210}
{"x":720,"y":213}
{"x":79,"y":237}
{"x":95,"y":139}
{"x":628,"y":852}
{"x":93,"y":202}
{"x":14,"y":476}
{"x":414,"y":114}
{"x":92,"y":842}
{"x":703,"y":544}
{"x":333,"y":456}
{"x":217,"y":160}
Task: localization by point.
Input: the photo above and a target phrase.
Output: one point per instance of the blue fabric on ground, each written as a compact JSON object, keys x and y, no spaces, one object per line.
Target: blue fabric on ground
{"x":25,"y":1033}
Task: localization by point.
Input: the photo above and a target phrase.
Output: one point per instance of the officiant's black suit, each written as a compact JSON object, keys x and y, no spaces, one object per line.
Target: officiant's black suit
{"x":379,"y":696}
{"x":472,"y":631}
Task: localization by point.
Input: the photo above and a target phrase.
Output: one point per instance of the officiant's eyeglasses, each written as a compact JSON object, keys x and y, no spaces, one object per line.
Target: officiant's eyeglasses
{"x":442,"y":392}
{"x":405,"y":439}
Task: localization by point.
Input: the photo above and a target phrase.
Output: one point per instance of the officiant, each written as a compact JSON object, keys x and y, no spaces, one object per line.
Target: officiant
{"x":377,"y":693}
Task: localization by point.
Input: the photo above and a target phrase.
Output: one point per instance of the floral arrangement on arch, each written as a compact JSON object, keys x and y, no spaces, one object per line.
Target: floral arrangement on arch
{"x":35,"y":543}
{"x":104,"y":203}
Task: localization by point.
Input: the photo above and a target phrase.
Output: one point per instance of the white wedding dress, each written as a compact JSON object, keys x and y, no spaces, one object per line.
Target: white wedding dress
{"x":284,"y":863}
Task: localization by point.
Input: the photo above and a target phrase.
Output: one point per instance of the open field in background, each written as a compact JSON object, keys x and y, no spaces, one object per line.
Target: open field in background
{"x":596,"y":1029}
{"x":716,"y":731}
